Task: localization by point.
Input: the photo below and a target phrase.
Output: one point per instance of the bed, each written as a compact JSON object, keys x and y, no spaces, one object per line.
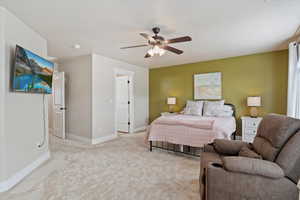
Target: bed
{"x":180,"y":132}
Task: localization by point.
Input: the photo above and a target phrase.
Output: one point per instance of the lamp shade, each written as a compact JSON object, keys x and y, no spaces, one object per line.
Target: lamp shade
{"x":254,"y":101}
{"x":171,"y":100}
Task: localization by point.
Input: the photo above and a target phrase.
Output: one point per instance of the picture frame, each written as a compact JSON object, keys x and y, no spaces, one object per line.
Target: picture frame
{"x":208,"y":86}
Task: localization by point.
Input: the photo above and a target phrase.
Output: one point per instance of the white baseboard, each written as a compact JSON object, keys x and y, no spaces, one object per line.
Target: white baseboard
{"x":16,"y":178}
{"x":142,"y":128}
{"x":78,"y":138}
{"x":104,"y":139}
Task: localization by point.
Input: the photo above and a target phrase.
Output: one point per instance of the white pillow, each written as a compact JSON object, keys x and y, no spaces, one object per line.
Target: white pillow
{"x":211,"y":108}
{"x":193,"y":108}
{"x":225,"y":111}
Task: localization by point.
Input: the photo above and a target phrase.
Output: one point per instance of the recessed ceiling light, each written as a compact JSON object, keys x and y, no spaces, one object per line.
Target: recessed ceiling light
{"x":76,"y":46}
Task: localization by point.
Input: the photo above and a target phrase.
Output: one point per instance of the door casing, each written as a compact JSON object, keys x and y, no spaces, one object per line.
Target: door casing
{"x":130,"y":75}
{"x":59,"y":110}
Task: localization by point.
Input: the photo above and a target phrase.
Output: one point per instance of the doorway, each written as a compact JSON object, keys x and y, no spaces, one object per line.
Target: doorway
{"x":124,"y":100}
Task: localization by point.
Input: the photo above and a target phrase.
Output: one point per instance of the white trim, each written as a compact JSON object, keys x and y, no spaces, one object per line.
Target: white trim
{"x":78,"y":138}
{"x":104,"y":139}
{"x":16,"y":178}
{"x":142,"y":128}
{"x":91,"y":141}
{"x":130,"y":74}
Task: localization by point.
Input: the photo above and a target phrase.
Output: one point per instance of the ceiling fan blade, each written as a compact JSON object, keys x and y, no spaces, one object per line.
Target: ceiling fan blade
{"x":180,"y":39}
{"x":172,"y":49}
{"x":148,"y":55}
{"x":142,"y":45}
{"x":148,"y":37}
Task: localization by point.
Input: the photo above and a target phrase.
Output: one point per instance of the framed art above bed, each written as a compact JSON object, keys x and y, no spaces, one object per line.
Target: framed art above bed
{"x":208,"y":86}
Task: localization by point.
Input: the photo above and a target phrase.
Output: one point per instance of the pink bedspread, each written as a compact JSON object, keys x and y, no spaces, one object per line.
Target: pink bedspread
{"x":191,"y":130}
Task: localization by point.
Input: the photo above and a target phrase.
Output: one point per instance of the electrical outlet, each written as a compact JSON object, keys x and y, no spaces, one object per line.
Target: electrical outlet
{"x":39,"y":145}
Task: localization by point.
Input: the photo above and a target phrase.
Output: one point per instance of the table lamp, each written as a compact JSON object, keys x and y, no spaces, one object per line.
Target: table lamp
{"x":171,"y":101}
{"x":253,"y":103}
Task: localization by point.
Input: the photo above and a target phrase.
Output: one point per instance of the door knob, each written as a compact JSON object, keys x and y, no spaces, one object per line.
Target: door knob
{"x":63,"y":108}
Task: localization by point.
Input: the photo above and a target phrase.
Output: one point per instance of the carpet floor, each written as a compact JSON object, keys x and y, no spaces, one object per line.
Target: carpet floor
{"x":120,"y":169}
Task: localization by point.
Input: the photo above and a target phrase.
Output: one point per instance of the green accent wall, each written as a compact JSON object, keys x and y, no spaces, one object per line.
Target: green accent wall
{"x":263,"y":74}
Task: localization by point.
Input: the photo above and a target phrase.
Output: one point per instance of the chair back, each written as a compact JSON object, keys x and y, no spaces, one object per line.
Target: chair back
{"x":273,"y":133}
{"x":289,"y":158}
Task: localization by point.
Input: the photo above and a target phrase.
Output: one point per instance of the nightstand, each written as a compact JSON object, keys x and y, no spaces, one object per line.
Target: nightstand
{"x":168,"y":113}
{"x":249,"y":128}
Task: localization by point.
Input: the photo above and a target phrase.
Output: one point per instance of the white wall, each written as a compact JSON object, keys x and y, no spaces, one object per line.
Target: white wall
{"x":78,"y":96}
{"x":90,"y":96}
{"x":2,"y":91}
{"x":23,"y":113}
{"x":103,"y":84}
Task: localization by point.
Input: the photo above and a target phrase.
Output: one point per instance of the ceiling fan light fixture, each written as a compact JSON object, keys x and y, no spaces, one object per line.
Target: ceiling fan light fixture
{"x":156,"y":50}
{"x":159,"y":45}
{"x":151,"y":52}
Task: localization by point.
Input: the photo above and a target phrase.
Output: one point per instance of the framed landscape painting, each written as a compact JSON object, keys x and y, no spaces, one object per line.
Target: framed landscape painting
{"x":208,"y":86}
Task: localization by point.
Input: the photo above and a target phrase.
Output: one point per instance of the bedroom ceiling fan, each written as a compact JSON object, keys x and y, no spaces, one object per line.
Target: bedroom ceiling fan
{"x":159,"y":45}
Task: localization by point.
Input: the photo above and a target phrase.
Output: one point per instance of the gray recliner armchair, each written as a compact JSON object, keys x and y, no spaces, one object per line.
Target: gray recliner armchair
{"x":267,"y":169}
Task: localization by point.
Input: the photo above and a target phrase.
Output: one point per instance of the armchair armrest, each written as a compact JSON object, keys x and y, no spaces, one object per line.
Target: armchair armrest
{"x":228,"y":147}
{"x":253,"y":166}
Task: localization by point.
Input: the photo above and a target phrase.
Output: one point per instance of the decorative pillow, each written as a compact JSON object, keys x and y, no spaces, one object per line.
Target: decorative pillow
{"x":211,"y":108}
{"x":193,"y":108}
{"x":246,"y":152}
{"x":224,"y":111}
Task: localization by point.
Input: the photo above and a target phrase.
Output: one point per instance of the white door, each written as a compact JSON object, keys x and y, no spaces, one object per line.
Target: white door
{"x":122,"y":97}
{"x":59,"y":104}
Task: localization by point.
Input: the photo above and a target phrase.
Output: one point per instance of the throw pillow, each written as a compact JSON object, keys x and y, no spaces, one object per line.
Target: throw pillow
{"x":211,"y":108}
{"x":193,"y":108}
{"x":224,"y":111}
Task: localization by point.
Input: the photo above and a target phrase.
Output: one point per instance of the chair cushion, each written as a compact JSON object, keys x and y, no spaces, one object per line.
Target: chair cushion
{"x":247,"y":152}
{"x":209,"y":148}
{"x":228,"y":147}
{"x":273,"y":132}
{"x":252,"y":166}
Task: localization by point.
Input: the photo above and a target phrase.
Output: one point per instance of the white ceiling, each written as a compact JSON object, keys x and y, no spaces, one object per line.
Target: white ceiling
{"x":219,"y":28}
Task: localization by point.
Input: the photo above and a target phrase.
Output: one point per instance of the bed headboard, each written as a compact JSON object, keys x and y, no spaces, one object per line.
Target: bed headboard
{"x":233,"y":108}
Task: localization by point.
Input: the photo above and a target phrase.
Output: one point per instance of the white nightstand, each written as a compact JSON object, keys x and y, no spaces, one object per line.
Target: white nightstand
{"x":249,"y":128}
{"x":168,"y":113}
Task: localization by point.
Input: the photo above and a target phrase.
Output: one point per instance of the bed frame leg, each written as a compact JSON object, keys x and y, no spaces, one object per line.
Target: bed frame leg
{"x":234,"y":136}
{"x":150,"y":145}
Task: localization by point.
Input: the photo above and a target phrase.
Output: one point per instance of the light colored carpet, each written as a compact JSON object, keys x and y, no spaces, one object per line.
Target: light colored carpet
{"x":120,"y":169}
